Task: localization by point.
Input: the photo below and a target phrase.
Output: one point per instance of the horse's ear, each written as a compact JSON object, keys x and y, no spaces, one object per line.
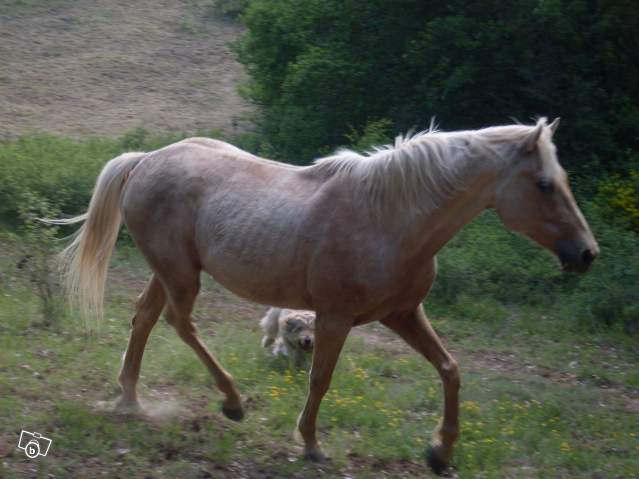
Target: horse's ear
{"x":530,"y":142}
{"x":553,"y":126}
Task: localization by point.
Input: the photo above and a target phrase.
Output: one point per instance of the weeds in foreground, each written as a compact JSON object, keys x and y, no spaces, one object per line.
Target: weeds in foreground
{"x":36,"y":263}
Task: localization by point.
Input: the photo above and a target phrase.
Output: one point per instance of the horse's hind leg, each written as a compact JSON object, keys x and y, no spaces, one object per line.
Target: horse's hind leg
{"x":181,"y":298}
{"x":415,"y":329}
{"x":148,"y":309}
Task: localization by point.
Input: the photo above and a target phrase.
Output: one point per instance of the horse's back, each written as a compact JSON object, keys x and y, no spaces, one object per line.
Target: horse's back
{"x":191,"y":170}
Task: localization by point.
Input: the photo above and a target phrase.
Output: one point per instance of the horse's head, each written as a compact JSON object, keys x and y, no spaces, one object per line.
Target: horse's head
{"x":533,"y":198}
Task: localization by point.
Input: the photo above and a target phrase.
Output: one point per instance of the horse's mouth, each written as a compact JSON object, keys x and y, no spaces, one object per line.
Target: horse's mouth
{"x":574,"y":267}
{"x":574,"y":257}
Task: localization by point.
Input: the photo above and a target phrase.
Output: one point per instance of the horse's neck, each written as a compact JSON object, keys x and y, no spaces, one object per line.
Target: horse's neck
{"x":430,"y":231}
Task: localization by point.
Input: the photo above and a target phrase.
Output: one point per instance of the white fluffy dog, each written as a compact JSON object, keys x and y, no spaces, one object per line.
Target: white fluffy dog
{"x":291,"y":332}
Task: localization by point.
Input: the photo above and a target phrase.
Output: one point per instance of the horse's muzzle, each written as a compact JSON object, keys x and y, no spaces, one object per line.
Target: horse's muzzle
{"x":575,"y":257}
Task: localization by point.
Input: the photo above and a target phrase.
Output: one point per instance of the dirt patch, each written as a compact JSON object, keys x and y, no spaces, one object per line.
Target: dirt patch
{"x":103,"y":68}
{"x":509,"y":365}
{"x":512,"y":367}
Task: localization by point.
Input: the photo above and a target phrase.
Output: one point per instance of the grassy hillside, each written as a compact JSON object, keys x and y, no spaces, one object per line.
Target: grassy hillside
{"x":102,"y":68}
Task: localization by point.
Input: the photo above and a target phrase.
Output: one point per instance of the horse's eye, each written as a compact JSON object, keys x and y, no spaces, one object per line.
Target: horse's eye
{"x":545,"y":186}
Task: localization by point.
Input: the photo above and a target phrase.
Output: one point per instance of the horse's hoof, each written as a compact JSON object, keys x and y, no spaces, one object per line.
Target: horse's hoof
{"x":316,"y":456}
{"x":434,"y":460}
{"x":236,"y":414}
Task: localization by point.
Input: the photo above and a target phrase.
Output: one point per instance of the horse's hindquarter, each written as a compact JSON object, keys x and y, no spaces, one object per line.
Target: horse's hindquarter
{"x":203,"y":202}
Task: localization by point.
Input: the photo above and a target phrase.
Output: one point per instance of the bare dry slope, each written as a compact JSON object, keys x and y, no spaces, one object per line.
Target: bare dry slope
{"x":101,"y":68}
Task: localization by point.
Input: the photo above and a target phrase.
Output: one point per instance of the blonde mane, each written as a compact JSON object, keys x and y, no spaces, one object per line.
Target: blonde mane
{"x":421,"y":170}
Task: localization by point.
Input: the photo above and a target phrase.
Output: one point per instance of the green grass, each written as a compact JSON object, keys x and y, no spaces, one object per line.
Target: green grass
{"x":375,"y":420}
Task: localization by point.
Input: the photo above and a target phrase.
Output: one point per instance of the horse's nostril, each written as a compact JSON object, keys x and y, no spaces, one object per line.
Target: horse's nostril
{"x":587,"y":256}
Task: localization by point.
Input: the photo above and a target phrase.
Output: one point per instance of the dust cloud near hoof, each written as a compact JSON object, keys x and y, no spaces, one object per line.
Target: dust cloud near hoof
{"x":153,"y":409}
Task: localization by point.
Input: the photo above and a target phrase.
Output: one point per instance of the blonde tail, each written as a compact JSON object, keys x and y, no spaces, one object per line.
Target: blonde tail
{"x":85,"y":261}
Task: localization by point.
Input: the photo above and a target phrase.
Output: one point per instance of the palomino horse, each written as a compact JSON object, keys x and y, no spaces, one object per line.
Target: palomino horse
{"x":352,"y":237}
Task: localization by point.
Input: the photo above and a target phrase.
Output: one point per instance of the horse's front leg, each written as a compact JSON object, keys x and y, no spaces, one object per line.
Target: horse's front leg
{"x":415,"y":329}
{"x":330,"y":334}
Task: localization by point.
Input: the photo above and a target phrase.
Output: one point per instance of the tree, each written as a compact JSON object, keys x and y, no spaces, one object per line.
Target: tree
{"x":322,"y":68}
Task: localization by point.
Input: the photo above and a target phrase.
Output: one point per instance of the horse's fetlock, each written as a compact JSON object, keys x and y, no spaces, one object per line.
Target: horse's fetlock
{"x":306,"y":432}
{"x":445,"y":433}
{"x":125,"y":381}
{"x":226,"y":383}
{"x":305,"y":429}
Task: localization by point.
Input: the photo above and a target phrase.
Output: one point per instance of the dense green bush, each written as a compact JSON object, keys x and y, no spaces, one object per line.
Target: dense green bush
{"x":609,"y":293}
{"x":618,"y":195}
{"x":61,"y":170}
{"x":374,"y":133}
{"x":485,"y":259}
{"x":321,"y":68}
{"x":485,"y":262}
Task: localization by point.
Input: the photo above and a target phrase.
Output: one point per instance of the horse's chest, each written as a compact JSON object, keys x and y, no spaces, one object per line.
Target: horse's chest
{"x":361,"y":282}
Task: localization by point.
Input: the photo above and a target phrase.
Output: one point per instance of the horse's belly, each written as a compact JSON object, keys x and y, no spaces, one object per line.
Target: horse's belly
{"x":259,"y":286}
{"x":255,"y":248}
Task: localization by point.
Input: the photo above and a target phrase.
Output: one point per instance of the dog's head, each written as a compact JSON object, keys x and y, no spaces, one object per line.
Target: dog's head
{"x":299,"y":330}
